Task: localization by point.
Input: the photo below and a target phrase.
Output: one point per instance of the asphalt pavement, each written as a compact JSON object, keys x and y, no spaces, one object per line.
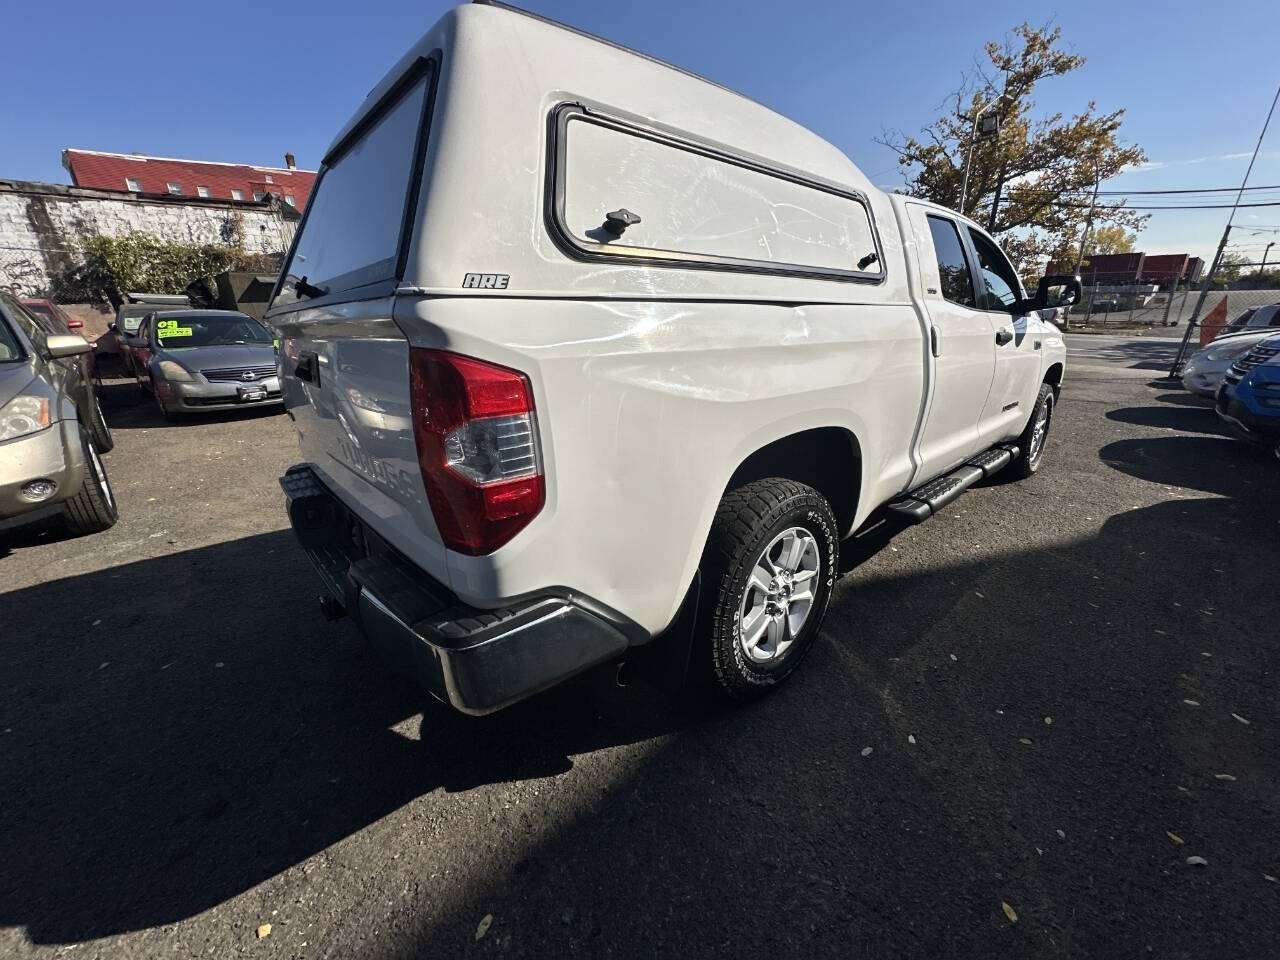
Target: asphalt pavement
{"x":1023,"y":718}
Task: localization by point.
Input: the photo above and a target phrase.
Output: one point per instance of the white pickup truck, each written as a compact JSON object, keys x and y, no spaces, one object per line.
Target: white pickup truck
{"x":585,"y":352}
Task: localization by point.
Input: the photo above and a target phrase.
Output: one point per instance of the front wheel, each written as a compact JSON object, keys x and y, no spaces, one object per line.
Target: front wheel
{"x":1035,"y":436}
{"x":98,"y":428}
{"x":165,"y":413}
{"x":93,"y":508}
{"x":768,"y":570}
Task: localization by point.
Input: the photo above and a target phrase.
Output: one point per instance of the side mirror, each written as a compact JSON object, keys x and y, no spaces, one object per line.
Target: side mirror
{"x":66,"y":345}
{"x":1067,"y":290}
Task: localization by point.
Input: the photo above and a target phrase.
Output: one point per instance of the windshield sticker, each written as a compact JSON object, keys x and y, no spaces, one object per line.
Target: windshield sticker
{"x":170,"y":328}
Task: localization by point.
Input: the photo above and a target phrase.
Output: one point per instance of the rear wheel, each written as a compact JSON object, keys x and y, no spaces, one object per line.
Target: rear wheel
{"x":768,"y":571}
{"x":1035,"y":436}
{"x":93,"y":508}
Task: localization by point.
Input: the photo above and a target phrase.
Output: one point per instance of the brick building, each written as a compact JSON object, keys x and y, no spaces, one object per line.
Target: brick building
{"x":136,"y":173}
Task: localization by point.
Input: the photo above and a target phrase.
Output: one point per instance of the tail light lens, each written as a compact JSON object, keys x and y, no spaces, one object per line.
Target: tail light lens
{"x":477,"y":439}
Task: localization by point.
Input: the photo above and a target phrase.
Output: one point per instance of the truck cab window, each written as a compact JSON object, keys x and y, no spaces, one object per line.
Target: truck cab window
{"x":1002,"y":287}
{"x":953,"y":268}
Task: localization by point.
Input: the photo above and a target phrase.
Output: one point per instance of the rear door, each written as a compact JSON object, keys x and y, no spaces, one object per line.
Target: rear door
{"x":1018,"y":341}
{"x":962,"y":344}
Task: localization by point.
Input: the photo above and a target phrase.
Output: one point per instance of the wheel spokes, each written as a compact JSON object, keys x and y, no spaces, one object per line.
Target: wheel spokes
{"x":754,"y":626}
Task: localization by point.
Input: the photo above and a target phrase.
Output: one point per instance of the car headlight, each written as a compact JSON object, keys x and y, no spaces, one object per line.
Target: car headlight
{"x":364,"y":402}
{"x":23,"y":415}
{"x":174,"y":371}
{"x":1228,"y":351}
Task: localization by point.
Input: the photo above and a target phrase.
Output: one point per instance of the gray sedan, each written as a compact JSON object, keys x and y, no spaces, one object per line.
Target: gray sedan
{"x":52,"y":433}
{"x":193,"y":361}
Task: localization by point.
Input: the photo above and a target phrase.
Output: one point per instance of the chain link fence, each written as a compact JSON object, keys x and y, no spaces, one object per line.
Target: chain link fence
{"x":1120,"y":305}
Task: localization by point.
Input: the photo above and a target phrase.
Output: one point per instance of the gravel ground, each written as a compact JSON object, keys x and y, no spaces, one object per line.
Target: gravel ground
{"x":1023,"y":718}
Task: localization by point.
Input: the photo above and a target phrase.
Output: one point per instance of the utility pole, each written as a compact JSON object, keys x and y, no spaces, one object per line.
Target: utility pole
{"x":1088,"y":223}
{"x":1217,"y":257}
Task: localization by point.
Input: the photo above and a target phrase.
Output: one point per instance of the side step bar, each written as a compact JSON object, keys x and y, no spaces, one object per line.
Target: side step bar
{"x":924,"y":501}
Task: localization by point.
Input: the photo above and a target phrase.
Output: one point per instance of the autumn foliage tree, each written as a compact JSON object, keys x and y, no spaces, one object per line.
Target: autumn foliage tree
{"x":1031,"y":184}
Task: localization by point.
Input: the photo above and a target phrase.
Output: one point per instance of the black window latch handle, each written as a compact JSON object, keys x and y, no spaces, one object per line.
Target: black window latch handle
{"x":616,"y":221}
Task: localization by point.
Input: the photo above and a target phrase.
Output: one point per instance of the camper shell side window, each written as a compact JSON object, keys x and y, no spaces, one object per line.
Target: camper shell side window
{"x":621,"y":191}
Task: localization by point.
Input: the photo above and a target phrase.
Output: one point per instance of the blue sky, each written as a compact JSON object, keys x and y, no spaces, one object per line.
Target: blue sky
{"x":245,"y":86}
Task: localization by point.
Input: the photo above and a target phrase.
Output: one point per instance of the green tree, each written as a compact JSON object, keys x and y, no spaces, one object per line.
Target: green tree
{"x":1031,"y":183}
{"x":1231,"y":268}
{"x":1112,"y":238}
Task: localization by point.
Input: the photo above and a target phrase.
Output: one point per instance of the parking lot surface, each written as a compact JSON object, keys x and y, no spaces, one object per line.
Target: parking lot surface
{"x":1023,"y":717}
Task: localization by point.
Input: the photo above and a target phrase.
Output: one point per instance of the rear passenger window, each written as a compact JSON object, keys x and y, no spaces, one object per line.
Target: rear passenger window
{"x":953,"y":268}
{"x":701,"y":206}
{"x":352,"y":231}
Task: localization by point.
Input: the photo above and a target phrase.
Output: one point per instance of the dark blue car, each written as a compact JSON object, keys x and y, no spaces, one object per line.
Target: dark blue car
{"x":1249,"y":398}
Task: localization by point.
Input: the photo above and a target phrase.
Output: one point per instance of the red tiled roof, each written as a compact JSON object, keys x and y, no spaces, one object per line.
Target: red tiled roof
{"x":111,"y":171}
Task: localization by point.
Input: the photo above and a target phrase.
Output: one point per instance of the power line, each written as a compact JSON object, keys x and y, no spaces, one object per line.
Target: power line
{"x":1210,"y":206}
{"x":1103,"y":193}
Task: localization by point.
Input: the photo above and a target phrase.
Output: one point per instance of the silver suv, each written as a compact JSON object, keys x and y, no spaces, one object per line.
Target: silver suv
{"x":52,"y":432}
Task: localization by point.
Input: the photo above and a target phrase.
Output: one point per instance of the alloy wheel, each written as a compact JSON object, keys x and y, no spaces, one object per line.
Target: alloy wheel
{"x":779,"y":595}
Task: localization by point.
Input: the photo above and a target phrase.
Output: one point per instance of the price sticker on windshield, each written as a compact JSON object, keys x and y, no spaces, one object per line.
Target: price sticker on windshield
{"x":170,"y":328}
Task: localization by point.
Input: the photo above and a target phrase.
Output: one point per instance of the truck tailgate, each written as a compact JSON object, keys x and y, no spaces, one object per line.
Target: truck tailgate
{"x":345,"y":381}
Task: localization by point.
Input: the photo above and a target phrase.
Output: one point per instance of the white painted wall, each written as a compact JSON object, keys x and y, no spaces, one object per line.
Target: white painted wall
{"x":39,"y":223}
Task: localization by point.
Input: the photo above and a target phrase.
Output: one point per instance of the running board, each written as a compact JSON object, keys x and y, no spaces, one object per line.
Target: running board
{"x":923,"y":502}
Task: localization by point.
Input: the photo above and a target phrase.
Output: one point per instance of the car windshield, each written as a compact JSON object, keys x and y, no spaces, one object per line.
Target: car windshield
{"x":9,"y":349}
{"x":203,"y":330}
{"x":131,"y":316}
{"x":1242,"y":321}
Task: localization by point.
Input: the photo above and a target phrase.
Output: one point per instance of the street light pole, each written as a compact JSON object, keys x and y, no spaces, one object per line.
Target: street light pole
{"x":973,"y":137}
{"x":1263,"y":269}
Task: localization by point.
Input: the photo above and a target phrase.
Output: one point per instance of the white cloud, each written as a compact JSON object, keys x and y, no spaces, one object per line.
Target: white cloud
{"x":1216,"y":158}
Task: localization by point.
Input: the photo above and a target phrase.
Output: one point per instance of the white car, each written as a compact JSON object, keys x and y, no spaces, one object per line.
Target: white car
{"x":1203,"y":373}
{"x":588,"y":355}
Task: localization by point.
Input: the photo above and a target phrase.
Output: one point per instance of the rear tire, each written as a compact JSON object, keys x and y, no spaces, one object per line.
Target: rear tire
{"x":1035,"y":437}
{"x":768,"y":569}
{"x":93,"y":508}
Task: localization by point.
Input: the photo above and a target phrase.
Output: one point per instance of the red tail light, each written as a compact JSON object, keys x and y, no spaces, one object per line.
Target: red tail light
{"x":477,"y":440}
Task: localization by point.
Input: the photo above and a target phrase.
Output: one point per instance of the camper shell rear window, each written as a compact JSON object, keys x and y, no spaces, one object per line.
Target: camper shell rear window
{"x":699,"y":205}
{"x":353,"y":237}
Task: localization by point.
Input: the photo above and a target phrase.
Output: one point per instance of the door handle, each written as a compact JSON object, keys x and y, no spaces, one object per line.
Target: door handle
{"x":933,"y":339}
{"x":1003,"y":336}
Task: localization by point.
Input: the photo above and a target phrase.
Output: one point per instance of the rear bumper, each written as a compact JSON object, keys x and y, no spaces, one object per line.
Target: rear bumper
{"x":476,"y":660}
